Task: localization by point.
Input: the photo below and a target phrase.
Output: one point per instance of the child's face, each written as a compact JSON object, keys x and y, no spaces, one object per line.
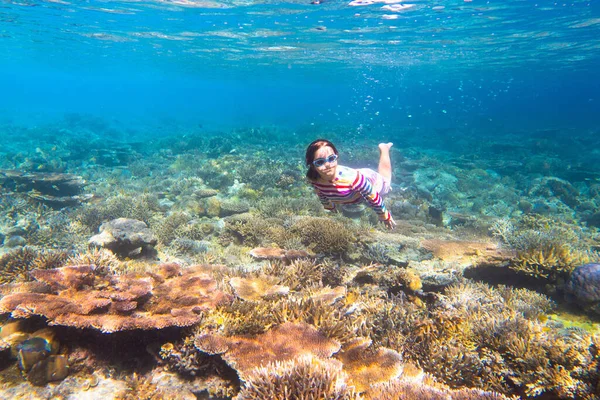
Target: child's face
{"x":326,"y":171}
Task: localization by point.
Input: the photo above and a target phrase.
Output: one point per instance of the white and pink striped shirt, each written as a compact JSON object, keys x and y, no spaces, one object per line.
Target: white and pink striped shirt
{"x":350,"y":186}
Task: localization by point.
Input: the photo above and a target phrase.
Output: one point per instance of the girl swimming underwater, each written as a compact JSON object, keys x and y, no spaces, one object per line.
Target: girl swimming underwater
{"x":338,"y":185}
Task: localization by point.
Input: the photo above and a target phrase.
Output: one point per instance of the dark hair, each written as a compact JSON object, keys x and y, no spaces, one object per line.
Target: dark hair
{"x":312,"y":173}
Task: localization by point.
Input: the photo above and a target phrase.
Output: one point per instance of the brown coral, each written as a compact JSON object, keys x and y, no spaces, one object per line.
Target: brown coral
{"x":466,"y":253}
{"x":274,"y":253}
{"x":323,"y":235}
{"x":254,"y":289}
{"x":551,"y":261}
{"x":282,"y":343}
{"x":304,"y":378}
{"x":80,"y":297}
{"x":15,"y":265}
{"x":401,"y":389}
{"x":298,"y":274}
{"x":366,"y":366}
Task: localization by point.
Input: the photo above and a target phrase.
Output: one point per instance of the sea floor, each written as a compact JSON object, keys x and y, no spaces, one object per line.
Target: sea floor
{"x":228,"y":263}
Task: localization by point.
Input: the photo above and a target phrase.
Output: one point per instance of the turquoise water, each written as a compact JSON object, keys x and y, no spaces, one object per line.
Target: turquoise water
{"x":192,"y":118}
{"x":516,"y":63}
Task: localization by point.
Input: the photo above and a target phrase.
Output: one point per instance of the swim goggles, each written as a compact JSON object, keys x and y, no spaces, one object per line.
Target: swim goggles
{"x":319,"y":162}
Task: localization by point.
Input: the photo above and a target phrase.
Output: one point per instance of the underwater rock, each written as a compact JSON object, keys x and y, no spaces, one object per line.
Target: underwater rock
{"x":125,"y":237}
{"x":584,"y":285}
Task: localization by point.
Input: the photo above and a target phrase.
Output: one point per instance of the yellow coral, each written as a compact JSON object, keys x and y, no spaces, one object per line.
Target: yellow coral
{"x":550,"y":262}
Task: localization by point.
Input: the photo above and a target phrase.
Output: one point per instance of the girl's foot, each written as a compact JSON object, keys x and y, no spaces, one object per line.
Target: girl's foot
{"x":385,"y":146}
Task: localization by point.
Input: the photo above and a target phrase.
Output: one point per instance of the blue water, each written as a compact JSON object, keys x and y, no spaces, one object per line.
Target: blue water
{"x":517,"y":64}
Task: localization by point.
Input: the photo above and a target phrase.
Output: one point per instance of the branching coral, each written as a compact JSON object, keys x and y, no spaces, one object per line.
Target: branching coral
{"x":323,"y":235}
{"x":80,"y":297}
{"x":103,"y":259}
{"x":140,"y":388}
{"x":167,"y":228}
{"x":476,"y":335}
{"x":253,"y":230}
{"x":552,"y":261}
{"x":141,"y":207}
{"x":17,"y":265}
{"x":546,"y":248}
{"x":300,"y":273}
{"x":305,"y":378}
{"x":401,"y":389}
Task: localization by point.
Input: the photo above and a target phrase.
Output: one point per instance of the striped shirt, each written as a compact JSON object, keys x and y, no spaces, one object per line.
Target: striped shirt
{"x":350,"y":187}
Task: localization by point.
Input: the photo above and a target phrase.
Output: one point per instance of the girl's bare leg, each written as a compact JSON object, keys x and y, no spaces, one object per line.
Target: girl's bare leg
{"x":385,"y":164}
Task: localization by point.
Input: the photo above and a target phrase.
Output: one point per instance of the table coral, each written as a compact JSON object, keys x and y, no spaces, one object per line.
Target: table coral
{"x":465,"y":252}
{"x":366,"y":366}
{"x":282,"y":343}
{"x":81,"y":297}
{"x":254,"y":289}
{"x":274,"y":253}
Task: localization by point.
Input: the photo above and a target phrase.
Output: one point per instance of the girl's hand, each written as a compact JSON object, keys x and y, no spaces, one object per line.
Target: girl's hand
{"x":390,"y":223}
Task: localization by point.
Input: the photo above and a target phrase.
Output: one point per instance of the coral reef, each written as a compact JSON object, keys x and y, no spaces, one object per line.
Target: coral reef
{"x":253,"y":289}
{"x":553,"y":262}
{"x":323,"y":235}
{"x":82,"y":297}
{"x":366,"y":366}
{"x":102,"y":259}
{"x":298,"y":274}
{"x":16,"y":265}
{"x":54,"y":189}
{"x":282,"y":343}
{"x":274,"y":253}
{"x":124,"y":237}
{"x":466,"y":253}
{"x":305,"y":378}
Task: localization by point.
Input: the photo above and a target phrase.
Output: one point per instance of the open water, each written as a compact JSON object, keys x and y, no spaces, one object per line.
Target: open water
{"x":493,"y":108}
